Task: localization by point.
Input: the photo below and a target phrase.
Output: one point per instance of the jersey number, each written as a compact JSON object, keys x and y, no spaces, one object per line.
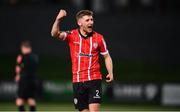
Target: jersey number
{"x":97,"y":92}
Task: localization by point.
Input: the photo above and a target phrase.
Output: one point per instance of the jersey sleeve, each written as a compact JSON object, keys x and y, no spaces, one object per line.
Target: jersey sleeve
{"x":103,"y":48}
{"x":67,"y":36}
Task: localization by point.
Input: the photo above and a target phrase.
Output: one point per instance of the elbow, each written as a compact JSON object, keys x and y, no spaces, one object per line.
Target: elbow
{"x":106,"y":56}
{"x":54,"y":34}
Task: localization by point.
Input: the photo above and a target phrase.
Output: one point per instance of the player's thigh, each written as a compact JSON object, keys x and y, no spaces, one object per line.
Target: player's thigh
{"x":22,"y":90}
{"x":80,"y":96}
{"x":31,"y":89}
{"x":26,"y":90}
{"x":95,"y":92}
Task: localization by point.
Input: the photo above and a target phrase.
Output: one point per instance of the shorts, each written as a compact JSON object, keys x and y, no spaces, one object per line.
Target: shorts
{"x":26,"y":89}
{"x":86,"y":93}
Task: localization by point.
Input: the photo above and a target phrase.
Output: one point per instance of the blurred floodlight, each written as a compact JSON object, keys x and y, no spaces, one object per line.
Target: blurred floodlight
{"x":122,"y":3}
{"x":99,"y":6}
{"x":78,"y":3}
{"x":147,"y":3}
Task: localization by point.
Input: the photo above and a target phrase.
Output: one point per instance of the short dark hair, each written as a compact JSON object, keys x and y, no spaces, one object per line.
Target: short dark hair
{"x":26,"y":43}
{"x":82,"y":13}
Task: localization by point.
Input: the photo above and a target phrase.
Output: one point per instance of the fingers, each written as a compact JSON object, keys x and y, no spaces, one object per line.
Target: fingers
{"x":109,"y":78}
{"x":17,"y":78}
{"x":62,"y":13}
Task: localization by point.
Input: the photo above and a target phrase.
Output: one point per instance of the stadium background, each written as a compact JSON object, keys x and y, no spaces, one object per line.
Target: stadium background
{"x":142,"y":37}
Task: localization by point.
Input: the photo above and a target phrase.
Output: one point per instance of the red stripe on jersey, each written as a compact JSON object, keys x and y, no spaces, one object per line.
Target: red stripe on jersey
{"x":85,"y":55}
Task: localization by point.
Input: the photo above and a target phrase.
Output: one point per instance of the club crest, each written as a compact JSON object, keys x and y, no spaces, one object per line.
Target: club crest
{"x":75,"y":100}
{"x":95,"y":45}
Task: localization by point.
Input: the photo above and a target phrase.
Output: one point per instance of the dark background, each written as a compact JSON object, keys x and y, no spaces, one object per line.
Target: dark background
{"x":142,"y":36}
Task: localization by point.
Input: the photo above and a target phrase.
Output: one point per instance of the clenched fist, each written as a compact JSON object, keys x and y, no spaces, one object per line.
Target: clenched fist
{"x":62,"y":13}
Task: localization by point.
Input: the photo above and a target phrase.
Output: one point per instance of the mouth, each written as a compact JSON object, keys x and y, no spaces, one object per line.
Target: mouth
{"x":90,"y":27}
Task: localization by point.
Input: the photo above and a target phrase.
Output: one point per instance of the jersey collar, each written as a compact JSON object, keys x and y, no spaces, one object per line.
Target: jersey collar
{"x":85,"y":37}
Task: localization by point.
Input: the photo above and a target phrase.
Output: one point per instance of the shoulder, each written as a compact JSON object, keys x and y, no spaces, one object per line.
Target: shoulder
{"x":73,"y":31}
{"x":98,"y":35}
{"x":34,"y":56}
{"x":71,"y":34}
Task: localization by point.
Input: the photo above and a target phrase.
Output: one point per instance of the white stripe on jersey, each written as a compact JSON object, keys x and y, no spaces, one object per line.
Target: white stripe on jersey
{"x":65,"y":35}
{"x":106,"y":51}
{"x":79,"y":58}
{"x":103,"y":53}
{"x":89,"y":78}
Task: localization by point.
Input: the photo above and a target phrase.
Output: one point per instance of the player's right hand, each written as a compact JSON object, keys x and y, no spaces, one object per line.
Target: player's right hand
{"x":17,"y":78}
{"x":109,"y":78}
{"x":62,"y":13}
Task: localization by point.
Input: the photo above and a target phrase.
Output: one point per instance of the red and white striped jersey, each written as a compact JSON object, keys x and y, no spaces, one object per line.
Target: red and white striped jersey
{"x":85,"y":55}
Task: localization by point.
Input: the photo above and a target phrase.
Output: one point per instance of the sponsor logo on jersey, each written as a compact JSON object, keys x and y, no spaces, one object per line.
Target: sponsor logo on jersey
{"x":85,"y":55}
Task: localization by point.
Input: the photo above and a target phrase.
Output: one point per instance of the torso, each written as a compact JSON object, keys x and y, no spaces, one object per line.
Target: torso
{"x":28,"y":66}
{"x":84,"y":56}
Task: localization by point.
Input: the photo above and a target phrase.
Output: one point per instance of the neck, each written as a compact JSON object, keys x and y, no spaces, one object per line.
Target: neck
{"x":83,"y":32}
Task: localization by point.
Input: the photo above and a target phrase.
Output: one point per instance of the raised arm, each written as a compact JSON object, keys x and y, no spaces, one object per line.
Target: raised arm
{"x":18,"y":68}
{"x":109,"y":67}
{"x":55,"y":32}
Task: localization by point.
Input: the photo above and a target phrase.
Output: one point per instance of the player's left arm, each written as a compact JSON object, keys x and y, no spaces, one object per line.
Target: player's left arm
{"x":107,"y":59}
{"x":109,"y":67}
{"x":18,"y":68}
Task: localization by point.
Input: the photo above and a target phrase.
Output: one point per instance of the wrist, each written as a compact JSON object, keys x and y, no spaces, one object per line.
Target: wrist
{"x":110,"y":73}
{"x":58,"y":19}
{"x":17,"y":74}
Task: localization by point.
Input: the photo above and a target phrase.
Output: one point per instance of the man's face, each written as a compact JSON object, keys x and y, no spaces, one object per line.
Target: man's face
{"x":25,"y":50}
{"x":86,"y":23}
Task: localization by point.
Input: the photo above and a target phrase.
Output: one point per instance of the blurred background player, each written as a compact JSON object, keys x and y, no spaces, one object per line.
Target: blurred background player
{"x":85,"y":47}
{"x":25,"y":77}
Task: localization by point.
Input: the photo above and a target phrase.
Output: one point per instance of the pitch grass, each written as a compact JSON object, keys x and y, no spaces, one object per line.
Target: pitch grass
{"x":104,"y":107}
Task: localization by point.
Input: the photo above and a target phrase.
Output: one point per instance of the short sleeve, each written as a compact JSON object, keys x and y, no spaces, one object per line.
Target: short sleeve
{"x":103,"y":47}
{"x":67,"y":36}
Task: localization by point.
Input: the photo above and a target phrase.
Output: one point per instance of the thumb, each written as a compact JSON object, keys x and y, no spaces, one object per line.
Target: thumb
{"x":107,"y":76}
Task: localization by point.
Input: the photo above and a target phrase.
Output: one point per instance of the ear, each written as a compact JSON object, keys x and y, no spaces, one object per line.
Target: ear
{"x":79,"y":22}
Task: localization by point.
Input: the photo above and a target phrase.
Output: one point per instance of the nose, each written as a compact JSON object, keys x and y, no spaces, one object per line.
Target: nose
{"x":91,"y":22}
